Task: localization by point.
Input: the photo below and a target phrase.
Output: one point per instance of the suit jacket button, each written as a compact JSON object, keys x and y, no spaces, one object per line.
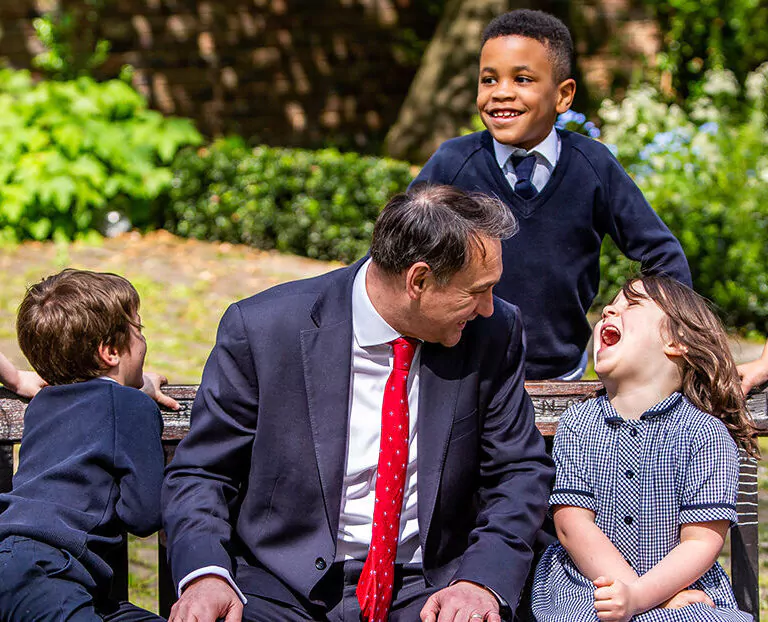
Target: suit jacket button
{"x":320,"y":563}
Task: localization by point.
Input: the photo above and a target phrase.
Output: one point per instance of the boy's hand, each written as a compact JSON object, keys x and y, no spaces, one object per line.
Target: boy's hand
{"x":152,"y":384}
{"x":613,"y":600}
{"x":29,"y":383}
{"x":687,"y":597}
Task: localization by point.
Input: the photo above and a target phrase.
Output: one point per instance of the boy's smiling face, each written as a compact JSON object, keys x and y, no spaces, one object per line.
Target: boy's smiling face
{"x":517,"y":95}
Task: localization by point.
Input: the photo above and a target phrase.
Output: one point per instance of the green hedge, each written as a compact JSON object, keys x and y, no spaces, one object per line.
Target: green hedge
{"x":72,"y":151}
{"x":320,"y":204}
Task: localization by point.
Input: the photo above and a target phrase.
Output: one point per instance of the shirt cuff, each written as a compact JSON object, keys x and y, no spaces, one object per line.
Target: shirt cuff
{"x":214,"y":570}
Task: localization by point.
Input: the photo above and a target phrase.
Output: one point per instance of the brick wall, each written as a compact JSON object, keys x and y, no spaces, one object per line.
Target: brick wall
{"x":283,"y":71}
{"x":290,"y":72}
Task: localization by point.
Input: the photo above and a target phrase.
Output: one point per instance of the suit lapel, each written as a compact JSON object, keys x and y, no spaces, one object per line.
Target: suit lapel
{"x":327,"y":359}
{"x":439,"y":380}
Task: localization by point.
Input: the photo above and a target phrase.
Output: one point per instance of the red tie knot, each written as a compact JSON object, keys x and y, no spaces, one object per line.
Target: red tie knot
{"x":404,"y":348}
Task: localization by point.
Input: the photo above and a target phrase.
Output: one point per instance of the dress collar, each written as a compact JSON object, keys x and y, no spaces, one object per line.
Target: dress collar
{"x":662,"y":408}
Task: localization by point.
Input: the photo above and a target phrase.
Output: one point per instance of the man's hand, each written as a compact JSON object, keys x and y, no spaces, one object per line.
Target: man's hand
{"x":687,"y":597}
{"x":152,"y":384}
{"x":29,"y":383}
{"x":461,"y":602}
{"x":207,"y":599}
{"x":613,"y":600}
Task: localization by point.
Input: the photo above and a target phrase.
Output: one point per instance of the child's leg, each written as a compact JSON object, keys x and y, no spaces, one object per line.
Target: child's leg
{"x":40,"y":582}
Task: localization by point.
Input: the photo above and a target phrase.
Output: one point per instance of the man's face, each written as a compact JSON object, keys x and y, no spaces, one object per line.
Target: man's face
{"x":517,"y":96}
{"x":444,"y":310}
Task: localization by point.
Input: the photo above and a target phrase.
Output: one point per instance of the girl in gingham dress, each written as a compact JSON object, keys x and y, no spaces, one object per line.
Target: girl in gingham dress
{"x":646,"y":480}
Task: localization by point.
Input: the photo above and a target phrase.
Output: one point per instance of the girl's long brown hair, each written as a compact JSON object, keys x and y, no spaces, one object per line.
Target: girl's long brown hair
{"x":710,"y":379}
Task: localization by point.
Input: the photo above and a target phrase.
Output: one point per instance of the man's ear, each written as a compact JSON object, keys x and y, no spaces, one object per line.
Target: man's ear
{"x":417,"y":279}
{"x":108,"y":355}
{"x":566,"y":91}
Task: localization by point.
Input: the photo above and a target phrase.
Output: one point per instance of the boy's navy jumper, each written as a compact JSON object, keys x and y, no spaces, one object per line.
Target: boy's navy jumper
{"x":552,"y":265}
{"x":90,"y":467}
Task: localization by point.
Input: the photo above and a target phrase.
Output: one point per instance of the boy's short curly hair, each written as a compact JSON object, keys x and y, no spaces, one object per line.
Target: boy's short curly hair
{"x":544,"y":28}
{"x":64,"y":319}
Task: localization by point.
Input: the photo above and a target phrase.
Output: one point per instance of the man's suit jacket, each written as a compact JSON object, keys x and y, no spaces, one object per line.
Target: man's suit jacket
{"x":255,"y":487}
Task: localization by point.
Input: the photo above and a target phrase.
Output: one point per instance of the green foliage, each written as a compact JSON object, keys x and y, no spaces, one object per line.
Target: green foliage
{"x":320,"y":204}
{"x":700,"y":35}
{"x":706,"y":174}
{"x":72,"y":151}
{"x":72,"y":47}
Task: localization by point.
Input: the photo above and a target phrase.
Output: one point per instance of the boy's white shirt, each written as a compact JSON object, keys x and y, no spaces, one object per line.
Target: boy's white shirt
{"x":547,"y":154}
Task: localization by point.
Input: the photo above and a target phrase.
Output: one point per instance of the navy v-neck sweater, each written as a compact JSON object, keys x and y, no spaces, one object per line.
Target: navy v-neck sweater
{"x":90,"y":467}
{"x":552,"y":265}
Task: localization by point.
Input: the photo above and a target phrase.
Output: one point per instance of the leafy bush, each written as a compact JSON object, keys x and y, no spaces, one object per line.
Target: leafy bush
{"x":321,"y":204}
{"x":69,"y":38}
{"x":72,"y":151}
{"x":706,"y":174}
{"x":701,"y":35}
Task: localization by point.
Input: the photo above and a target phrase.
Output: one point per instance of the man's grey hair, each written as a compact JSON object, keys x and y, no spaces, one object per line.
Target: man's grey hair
{"x":438,"y":225}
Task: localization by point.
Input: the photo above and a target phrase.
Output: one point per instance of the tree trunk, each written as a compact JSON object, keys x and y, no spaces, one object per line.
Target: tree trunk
{"x":442,"y":94}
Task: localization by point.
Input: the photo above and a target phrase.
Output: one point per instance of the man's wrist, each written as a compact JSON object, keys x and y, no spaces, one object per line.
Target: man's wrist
{"x":505,"y":611}
{"x":211,"y":571}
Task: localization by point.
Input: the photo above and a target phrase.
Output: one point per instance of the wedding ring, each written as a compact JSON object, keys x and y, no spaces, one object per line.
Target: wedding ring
{"x":476,"y":616}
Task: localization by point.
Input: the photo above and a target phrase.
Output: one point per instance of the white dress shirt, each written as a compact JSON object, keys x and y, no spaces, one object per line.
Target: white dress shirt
{"x":547,"y":154}
{"x":372,"y":360}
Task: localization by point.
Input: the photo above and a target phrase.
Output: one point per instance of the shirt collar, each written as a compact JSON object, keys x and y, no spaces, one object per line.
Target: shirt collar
{"x":369,"y":327}
{"x":663,"y":407}
{"x":548,"y":149}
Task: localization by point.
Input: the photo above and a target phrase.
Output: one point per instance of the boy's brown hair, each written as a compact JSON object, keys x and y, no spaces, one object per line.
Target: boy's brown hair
{"x":64,"y":319}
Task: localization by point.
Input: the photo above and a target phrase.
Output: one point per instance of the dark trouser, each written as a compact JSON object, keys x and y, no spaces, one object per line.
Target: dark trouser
{"x":40,"y":582}
{"x":410,"y":593}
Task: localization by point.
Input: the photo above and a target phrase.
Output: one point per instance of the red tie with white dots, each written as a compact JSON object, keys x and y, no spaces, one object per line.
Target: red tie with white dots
{"x":374,"y":589}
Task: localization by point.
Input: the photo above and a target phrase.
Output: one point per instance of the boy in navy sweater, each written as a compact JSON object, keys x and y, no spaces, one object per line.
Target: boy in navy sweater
{"x":91,"y":460}
{"x":567,"y":191}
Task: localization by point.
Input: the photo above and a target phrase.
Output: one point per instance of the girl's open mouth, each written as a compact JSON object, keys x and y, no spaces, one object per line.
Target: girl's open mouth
{"x":610,"y":335}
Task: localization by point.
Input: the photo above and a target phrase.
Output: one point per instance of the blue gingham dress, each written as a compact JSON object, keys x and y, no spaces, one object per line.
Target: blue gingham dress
{"x":643,"y":479}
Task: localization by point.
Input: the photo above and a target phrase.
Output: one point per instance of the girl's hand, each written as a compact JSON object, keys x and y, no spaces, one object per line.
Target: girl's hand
{"x":687,"y":597}
{"x":614,"y":600}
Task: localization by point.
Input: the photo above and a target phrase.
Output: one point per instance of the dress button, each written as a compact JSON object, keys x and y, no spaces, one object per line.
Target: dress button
{"x":629,"y":474}
{"x":633,"y":432}
{"x":628,"y":520}
{"x":320,"y":563}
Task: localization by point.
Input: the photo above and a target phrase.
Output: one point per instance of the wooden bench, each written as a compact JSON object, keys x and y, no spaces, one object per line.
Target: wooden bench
{"x":550,"y":400}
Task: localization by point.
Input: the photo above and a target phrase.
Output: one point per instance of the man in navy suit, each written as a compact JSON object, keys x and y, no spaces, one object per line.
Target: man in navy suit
{"x":285,"y":479}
